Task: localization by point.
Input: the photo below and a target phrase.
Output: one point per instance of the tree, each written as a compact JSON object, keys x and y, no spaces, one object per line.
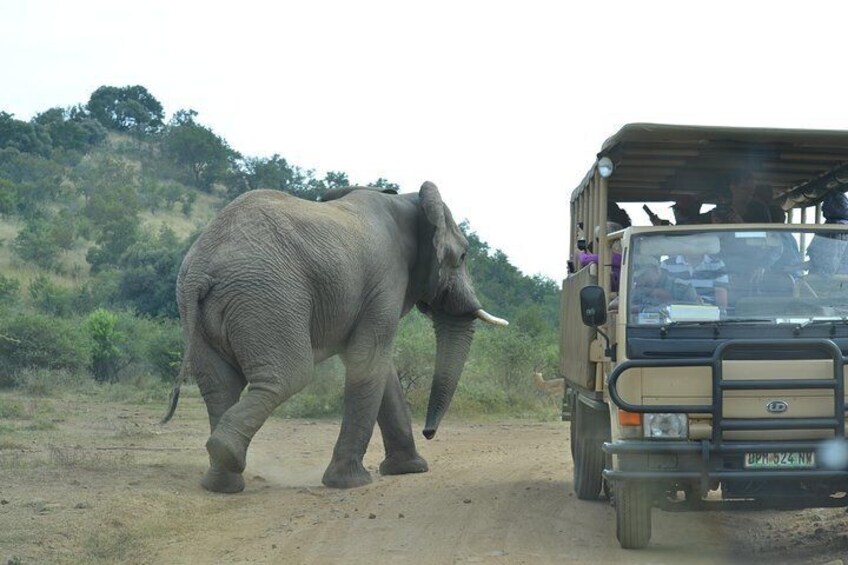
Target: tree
{"x":36,"y":244}
{"x":111,"y":207}
{"x":204,"y":156}
{"x":497,"y":281}
{"x":71,"y":129}
{"x":23,"y":136}
{"x":384,"y":185}
{"x":8,"y":196}
{"x":100,"y":173}
{"x":130,"y":108}
{"x":33,"y":181}
{"x":149,"y":271}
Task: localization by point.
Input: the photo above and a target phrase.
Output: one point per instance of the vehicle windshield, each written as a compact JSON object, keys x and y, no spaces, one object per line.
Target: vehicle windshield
{"x":761,"y":276}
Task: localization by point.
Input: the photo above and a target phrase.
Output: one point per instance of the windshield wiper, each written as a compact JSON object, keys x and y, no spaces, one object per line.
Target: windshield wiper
{"x":726,"y":322}
{"x":821,"y":322}
{"x":714,"y":324}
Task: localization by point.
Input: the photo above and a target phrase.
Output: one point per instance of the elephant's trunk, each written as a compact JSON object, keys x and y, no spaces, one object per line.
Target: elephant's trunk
{"x":453,"y":340}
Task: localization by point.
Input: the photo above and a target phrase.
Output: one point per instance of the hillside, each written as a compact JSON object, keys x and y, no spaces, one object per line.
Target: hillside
{"x":100,"y":201}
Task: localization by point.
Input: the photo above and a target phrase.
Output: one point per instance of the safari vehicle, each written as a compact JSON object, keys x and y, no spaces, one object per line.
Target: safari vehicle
{"x":689,"y":395}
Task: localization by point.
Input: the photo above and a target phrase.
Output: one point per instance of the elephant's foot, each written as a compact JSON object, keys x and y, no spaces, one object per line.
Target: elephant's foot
{"x":217,"y":480}
{"x":346,"y":474}
{"x":225,"y":453}
{"x":403,"y":464}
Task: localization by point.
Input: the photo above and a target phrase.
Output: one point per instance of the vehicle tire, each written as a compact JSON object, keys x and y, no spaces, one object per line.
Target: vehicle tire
{"x":632,"y":515}
{"x":587,"y":437}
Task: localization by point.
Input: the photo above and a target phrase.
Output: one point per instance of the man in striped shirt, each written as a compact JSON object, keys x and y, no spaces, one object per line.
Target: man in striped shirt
{"x":706,"y":274}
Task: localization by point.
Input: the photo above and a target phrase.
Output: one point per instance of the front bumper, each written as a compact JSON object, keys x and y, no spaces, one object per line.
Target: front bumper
{"x":718,"y":459}
{"x":705,"y":462}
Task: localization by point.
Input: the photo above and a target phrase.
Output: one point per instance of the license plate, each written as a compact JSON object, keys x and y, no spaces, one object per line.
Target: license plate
{"x":782,"y":460}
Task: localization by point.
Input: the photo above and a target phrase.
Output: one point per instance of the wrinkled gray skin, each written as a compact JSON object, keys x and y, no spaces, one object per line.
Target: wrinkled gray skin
{"x":276,"y":284}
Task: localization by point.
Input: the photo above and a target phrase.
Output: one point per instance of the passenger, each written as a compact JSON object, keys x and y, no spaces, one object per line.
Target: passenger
{"x":617,"y":215}
{"x":745,"y":205}
{"x":587,"y":257}
{"x":653,"y":286}
{"x":687,"y":210}
{"x":736,"y":203}
{"x":706,"y":274}
{"x":827,"y":252}
{"x":764,"y":195}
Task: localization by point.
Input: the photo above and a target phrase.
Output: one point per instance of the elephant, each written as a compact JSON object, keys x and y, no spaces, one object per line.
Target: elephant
{"x":275,"y":284}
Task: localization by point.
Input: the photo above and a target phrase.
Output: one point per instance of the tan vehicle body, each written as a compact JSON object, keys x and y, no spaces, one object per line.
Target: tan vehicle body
{"x":728,"y":383}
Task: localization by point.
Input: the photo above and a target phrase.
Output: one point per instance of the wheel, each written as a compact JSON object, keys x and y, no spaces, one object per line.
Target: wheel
{"x":632,"y":515}
{"x":587,"y":437}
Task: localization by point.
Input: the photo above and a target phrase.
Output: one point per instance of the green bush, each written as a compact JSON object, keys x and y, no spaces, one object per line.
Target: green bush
{"x":415,"y":353}
{"x":36,"y":244}
{"x":154,"y":346}
{"x":149,"y":273}
{"x":100,"y":290}
{"x":50,"y":298}
{"x":108,"y":342}
{"x":323,"y":397}
{"x":9,"y":289}
{"x":39,"y":341}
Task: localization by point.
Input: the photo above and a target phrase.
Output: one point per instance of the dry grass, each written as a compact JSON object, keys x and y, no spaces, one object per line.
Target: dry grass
{"x":205,"y":208}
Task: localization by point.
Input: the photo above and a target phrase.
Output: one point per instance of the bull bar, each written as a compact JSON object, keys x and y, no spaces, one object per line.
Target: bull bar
{"x":713,"y":450}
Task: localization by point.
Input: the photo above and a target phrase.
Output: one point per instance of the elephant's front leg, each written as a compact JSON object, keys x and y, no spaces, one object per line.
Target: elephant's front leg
{"x":396,"y":426}
{"x":364,"y":385}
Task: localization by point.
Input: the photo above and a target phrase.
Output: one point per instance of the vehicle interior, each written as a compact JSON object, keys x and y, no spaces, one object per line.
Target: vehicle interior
{"x":788,"y":172}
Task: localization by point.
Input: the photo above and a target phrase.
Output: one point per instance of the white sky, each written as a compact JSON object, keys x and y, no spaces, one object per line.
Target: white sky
{"x":502,"y":105}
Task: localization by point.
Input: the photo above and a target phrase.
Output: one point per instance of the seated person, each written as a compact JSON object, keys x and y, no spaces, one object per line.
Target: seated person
{"x":829,"y":252}
{"x":706,"y":274}
{"x":687,"y":210}
{"x":654,"y":287}
{"x":587,"y":257}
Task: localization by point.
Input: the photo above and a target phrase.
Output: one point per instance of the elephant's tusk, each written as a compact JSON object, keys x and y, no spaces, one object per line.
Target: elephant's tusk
{"x":489,"y":319}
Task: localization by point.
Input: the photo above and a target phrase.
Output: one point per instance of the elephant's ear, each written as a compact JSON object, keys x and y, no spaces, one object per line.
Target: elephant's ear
{"x":434,"y":210}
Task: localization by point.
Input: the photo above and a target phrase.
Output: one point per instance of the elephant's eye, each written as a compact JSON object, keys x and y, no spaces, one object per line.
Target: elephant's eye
{"x":462,"y":257}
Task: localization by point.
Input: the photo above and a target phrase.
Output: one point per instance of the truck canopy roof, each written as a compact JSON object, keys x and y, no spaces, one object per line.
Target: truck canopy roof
{"x":656,"y":162}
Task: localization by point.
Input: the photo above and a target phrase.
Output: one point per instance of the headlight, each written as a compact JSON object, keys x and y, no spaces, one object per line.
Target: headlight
{"x":666,"y":425}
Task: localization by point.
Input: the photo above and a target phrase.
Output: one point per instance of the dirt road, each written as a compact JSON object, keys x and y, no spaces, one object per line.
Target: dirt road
{"x":105,"y":483}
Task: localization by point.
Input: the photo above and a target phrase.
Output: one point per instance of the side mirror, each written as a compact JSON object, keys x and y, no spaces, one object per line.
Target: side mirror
{"x":593,"y":306}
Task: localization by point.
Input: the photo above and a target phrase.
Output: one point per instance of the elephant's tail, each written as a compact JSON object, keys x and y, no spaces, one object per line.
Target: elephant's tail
{"x":172,"y":402}
{"x":188,"y":313}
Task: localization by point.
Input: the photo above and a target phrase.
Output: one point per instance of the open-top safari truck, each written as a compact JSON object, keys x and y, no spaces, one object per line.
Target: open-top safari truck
{"x":705,"y":360}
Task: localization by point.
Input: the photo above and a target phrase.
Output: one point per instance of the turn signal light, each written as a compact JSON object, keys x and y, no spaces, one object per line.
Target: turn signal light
{"x":629,"y":418}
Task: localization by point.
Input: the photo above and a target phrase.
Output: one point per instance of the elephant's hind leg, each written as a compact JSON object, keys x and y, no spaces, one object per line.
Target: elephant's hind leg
{"x":274,"y":372}
{"x":396,"y":427}
{"x":220,"y":385}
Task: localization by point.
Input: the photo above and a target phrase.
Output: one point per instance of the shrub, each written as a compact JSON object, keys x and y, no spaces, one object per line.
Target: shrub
{"x":149,"y":273}
{"x":165,"y":350}
{"x":36,"y":243}
{"x":323,"y":397}
{"x":108,"y":342}
{"x":415,"y":352}
{"x":9,"y":289}
{"x":50,"y":298}
{"x":36,"y":340}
